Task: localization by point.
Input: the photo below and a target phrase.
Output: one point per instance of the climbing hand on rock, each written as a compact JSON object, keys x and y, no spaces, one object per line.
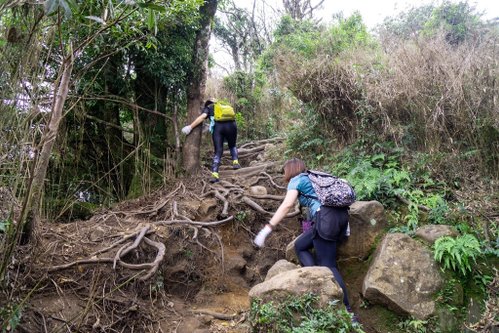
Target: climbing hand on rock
{"x":260,"y":238}
{"x":187,"y":129}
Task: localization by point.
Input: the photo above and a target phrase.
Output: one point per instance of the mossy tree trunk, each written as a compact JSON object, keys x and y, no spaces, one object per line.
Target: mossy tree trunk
{"x":195,"y":90}
{"x":31,"y":207}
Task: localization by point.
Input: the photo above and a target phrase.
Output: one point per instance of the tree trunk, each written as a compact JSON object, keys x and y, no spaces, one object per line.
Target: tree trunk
{"x":195,"y":91}
{"x":31,"y":209}
{"x":235,"y":57}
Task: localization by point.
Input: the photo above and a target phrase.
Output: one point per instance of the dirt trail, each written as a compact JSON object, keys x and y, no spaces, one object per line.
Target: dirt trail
{"x":178,"y":260}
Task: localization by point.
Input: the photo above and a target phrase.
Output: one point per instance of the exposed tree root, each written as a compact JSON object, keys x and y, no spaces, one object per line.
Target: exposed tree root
{"x":80,"y":262}
{"x":189,"y":222}
{"x":268,"y":196}
{"x":123,"y":251}
{"x":124,"y":239}
{"x":260,"y":209}
{"x":267,"y":176}
{"x":164,"y":212}
{"x":217,"y":315}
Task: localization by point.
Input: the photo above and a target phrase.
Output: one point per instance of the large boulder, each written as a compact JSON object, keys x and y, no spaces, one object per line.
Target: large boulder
{"x":297,"y":282}
{"x":403,"y":277}
{"x":291,"y":253}
{"x":280,"y":267}
{"x":431,"y":232}
{"x":367,"y":224}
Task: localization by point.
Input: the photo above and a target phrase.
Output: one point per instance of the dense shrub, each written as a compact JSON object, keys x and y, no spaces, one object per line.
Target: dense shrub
{"x":427,"y":91}
{"x":433,"y":96}
{"x":247,"y":94}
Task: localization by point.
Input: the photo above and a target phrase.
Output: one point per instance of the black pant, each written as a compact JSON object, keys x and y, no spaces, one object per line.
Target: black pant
{"x":325,"y":255}
{"x":224,"y":131}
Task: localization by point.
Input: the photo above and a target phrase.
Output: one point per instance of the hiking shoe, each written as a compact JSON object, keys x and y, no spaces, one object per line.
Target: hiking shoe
{"x":236,"y":165}
{"x":355,"y":319}
{"x":215,"y":178}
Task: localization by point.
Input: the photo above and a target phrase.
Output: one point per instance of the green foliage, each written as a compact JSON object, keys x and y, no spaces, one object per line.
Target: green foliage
{"x":10,"y":317}
{"x":439,"y":209}
{"x":143,"y":59}
{"x":4,"y":225}
{"x":246,"y":91}
{"x":384,"y":175}
{"x":452,"y":294}
{"x":239,"y":33}
{"x":347,"y":33}
{"x":457,"y":253}
{"x":241,"y":122}
{"x":375,"y":177}
{"x":313,"y":62}
{"x":308,"y":40}
{"x":288,"y":26}
{"x":241,"y":216}
{"x":188,"y":253}
{"x":458,"y":20}
{"x":413,"y":326}
{"x":305,"y":137}
{"x":300,"y":37}
{"x":482,"y":281}
{"x":300,"y":315}
{"x":406,"y":23}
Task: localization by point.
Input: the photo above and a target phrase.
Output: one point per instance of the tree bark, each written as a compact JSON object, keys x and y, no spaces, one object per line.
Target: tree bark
{"x":31,"y":214}
{"x":195,"y":91}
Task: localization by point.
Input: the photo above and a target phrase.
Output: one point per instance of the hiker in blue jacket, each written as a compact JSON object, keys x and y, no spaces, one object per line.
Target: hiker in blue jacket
{"x":300,"y":187}
{"x":220,"y":131}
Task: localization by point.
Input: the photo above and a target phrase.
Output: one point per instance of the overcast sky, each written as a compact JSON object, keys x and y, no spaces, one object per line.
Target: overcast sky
{"x":373,"y":12}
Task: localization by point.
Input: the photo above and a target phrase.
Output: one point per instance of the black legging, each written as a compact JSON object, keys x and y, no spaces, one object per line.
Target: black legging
{"x":325,"y":252}
{"x":226,"y":130}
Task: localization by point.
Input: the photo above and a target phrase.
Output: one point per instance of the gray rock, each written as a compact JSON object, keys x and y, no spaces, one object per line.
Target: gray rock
{"x":431,"y":232}
{"x":403,"y":277}
{"x":473,"y":313}
{"x":280,"y":267}
{"x":297,"y":282}
{"x":367,"y":225}
{"x":258,"y":190}
{"x":447,"y":320}
{"x":291,"y":253}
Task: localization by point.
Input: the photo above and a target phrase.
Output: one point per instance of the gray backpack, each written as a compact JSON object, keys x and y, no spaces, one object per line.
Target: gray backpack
{"x":331,"y":191}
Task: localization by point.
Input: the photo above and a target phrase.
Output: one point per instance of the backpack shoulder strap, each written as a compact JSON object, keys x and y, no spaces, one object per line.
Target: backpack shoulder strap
{"x":307,"y":173}
{"x":317,"y":173}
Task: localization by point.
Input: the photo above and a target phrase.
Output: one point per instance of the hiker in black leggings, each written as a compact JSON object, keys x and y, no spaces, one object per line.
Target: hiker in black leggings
{"x":221,"y":131}
{"x":325,"y":251}
{"x":300,"y":187}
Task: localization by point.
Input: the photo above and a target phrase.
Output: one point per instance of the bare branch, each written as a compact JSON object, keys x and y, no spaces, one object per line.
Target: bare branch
{"x":204,"y":224}
{"x":159,"y":258}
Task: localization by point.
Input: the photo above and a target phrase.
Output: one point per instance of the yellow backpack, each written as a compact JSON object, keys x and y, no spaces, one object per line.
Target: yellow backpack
{"x":223,"y":112}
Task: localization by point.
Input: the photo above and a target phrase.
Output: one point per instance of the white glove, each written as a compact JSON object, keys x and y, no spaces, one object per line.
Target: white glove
{"x":260,"y":238}
{"x":187,"y":129}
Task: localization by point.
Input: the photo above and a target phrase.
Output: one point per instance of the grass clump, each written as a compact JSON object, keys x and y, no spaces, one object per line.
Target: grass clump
{"x":300,"y":315}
